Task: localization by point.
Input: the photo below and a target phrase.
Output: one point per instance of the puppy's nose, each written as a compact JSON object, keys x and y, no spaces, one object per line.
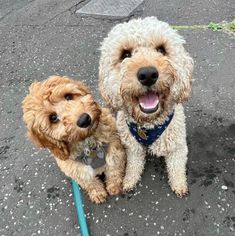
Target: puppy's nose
{"x":84,"y":120}
{"x":147,"y":75}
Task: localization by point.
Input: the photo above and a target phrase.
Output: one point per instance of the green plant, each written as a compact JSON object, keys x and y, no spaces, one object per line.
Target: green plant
{"x":215,"y":26}
{"x":231,"y":26}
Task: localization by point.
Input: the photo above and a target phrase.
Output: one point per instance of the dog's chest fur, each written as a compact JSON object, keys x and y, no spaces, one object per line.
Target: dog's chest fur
{"x":166,"y":143}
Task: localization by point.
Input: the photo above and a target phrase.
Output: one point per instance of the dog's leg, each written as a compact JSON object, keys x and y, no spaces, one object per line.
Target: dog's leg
{"x":176,"y":168}
{"x":84,"y":175}
{"x":115,"y":167}
{"x":96,"y":190}
{"x":135,"y":154}
{"x":134,"y":167}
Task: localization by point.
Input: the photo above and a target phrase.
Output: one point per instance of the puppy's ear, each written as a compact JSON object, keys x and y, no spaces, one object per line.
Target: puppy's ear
{"x":58,"y":148}
{"x":32,"y":105}
{"x":181,"y":89}
{"x":37,"y":142}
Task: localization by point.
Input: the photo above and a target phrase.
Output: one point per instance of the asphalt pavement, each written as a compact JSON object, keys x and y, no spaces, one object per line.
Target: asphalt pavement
{"x":39,"y":38}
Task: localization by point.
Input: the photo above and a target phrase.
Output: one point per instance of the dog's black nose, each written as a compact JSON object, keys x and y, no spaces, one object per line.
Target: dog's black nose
{"x":84,"y":120}
{"x":147,"y":75}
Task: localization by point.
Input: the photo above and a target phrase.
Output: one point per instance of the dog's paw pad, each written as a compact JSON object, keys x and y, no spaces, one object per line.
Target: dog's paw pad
{"x":98,"y":196}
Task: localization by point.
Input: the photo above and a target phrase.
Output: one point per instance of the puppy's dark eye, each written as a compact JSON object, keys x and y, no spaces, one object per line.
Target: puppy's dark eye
{"x":125,"y":54}
{"x":161,"y":49}
{"x":68,"y":96}
{"x":54,"y":118}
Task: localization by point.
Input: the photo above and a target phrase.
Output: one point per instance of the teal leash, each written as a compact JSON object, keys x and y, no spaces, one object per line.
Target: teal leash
{"x":80,"y":210}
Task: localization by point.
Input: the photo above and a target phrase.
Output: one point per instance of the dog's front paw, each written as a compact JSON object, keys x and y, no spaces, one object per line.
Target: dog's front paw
{"x":114,"y":188}
{"x":180,"y":190}
{"x":128,"y":184}
{"x":98,"y":195}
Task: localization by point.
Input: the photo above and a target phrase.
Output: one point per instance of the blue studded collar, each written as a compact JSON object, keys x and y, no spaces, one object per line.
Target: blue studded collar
{"x":145,"y":136}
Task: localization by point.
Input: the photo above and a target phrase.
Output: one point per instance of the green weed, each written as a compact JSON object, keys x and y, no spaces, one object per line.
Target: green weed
{"x":215,"y":26}
{"x":231,"y":26}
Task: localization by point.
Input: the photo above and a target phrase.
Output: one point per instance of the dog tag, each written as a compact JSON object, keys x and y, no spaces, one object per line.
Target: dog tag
{"x":100,"y":158}
{"x":142,"y":133}
{"x":93,"y":155}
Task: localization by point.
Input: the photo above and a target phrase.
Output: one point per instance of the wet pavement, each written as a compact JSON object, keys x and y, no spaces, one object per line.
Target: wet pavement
{"x":41,"y":38}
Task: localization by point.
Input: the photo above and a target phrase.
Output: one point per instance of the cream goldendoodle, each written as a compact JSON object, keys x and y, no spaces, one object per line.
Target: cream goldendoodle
{"x":61,"y":115}
{"x":145,"y":74}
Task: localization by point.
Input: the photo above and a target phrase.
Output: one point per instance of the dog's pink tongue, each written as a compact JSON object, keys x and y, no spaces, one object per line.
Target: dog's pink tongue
{"x":148,"y":100}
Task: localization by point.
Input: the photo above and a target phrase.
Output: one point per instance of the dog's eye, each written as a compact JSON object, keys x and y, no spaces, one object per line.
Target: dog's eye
{"x":125,"y":54}
{"x":54,"y":118}
{"x":161,"y":49}
{"x":68,"y":96}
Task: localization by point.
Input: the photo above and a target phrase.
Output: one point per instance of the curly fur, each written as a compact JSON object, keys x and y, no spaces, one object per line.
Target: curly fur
{"x":64,"y":138}
{"x":121,"y":89}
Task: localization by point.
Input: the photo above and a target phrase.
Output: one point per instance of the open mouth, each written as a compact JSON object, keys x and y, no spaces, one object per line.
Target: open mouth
{"x":149,"y":102}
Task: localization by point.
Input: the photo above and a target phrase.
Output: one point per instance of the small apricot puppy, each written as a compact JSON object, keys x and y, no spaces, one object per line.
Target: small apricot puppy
{"x":61,"y":115}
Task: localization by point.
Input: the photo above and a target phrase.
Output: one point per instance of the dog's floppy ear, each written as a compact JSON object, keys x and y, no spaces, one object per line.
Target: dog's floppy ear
{"x":106,"y":96}
{"x":181,"y":89}
{"x":58,"y":148}
{"x":109,"y":83}
{"x":31,"y":105}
